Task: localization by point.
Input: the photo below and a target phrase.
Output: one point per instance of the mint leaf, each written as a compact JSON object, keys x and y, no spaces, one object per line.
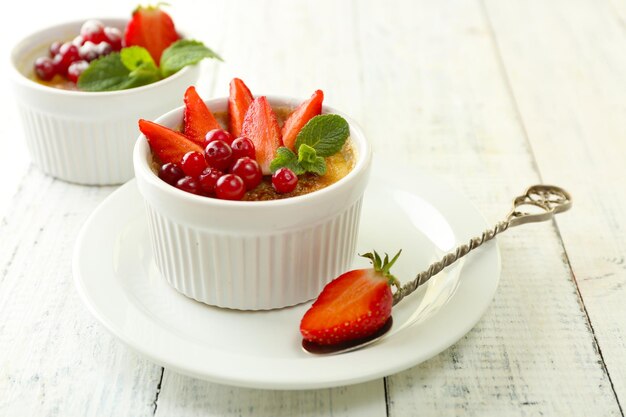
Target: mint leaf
{"x":325,"y":133}
{"x":105,"y":74}
{"x":146,"y":73}
{"x":142,"y":68}
{"x":287,"y":159}
{"x":182,"y":53}
{"x":134,"y":57}
{"x":308,"y":159}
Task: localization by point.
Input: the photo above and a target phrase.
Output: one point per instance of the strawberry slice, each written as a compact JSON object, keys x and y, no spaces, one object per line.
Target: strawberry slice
{"x":300,"y":116}
{"x":261,"y":127}
{"x":198,"y":118}
{"x":167,"y":144}
{"x":151,"y":28}
{"x":352,"y":306}
{"x":239,"y":100}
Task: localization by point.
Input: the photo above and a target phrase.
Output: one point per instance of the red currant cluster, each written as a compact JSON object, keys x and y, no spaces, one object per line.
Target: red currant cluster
{"x":226,"y":170}
{"x":70,"y":59}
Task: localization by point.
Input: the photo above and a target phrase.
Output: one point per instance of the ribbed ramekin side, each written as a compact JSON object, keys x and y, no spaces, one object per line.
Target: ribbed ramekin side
{"x":80,"y":151}
{"x":253,"y":271}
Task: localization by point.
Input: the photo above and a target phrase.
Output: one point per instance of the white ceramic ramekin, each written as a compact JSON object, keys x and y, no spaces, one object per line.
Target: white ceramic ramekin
{"x":86,"y":137}
{"x":253,"y":255}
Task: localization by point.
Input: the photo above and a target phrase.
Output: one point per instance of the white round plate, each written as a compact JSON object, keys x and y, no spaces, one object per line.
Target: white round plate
{"x":402,"y":209}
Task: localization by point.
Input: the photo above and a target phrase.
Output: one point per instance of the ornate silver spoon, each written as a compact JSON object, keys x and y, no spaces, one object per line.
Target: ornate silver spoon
{"x":539,"y":203}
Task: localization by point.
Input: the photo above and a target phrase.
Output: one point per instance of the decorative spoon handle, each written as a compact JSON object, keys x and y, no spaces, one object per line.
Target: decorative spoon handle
{"x":537,"y":204}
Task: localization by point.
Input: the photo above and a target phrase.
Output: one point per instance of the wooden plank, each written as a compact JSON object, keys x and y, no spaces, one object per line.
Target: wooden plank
{"x":567,"y":76}
{"x":290,"y":48}
{"x":437,"y":98}
{"x":187,"y":397}
{"x":56,"y":359}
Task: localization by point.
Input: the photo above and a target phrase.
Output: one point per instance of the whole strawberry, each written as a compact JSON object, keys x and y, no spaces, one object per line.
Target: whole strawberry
{"x":151,"y":28}
{"x":352,"y":306}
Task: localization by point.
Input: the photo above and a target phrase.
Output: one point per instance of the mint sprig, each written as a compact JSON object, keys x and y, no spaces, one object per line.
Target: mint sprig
{"x":285,"y":158}
{"x":321,"y":137}
{"x":325,"y":133}
{"x":182,"y":53}
{"x":309,"y":161}
{"x":134,"y":66}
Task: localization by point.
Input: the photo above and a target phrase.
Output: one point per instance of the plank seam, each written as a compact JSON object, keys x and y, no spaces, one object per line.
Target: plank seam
{"x":535,"y":165}
{"x":155,"y":403}
{"x":387,"y":404}
{"x":593,"y":332}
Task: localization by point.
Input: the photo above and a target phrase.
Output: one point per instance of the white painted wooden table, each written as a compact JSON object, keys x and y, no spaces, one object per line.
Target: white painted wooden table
{"x":490,"y":95}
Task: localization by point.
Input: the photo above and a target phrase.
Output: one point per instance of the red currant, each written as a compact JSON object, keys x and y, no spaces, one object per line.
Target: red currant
{"x":218,"y":134}
{"x":93,"y":30}
{"x":243,"y":146}
{"x":45,"y":68}
{"x":218,"y":154}
{"x":188,"y":184}
{"x":284,"y":180}
{"x":193,"y":163}
{"x":75,"y":69}
{"x":88,"y":51}
{"x":249,"y":171}
{"x":104,"y":48}
{"x":208,"y":180}
{"x":68,"y":53}
{"x":54,"y":48}
{"x":230,"y":187}
{"x":78,"y":41}
{"x":171,"y":173}
{"x":114,"y":37}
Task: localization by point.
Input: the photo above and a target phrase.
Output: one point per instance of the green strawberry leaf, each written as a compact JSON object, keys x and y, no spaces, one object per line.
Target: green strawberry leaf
{"x":308,"y":159}
{"x":325,"y":133}
{"x":286,"y":159}
{"x":182,"y":53}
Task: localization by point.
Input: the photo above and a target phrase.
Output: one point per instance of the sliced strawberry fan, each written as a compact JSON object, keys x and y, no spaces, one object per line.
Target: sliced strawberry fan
{"x":198,"y":118}
{"x":167,"y":144}
{"x":261,"y":126}
{"x":300,"y":116}
{"x":239,"y":101}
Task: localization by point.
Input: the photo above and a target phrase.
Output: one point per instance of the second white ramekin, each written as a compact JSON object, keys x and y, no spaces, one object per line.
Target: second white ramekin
{"x":253,"y":255}
{"x":86,"y":137}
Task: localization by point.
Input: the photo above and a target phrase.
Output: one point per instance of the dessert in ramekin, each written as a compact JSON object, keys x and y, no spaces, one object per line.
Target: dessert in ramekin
{"x":87,"y":137}
{"x":253,"y":255}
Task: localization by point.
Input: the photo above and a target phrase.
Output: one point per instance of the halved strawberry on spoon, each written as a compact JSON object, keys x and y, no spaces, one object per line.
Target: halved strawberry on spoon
{"x":198,"y":118}
{"x":353,"y":306}
{"x":151,"y":28}
{"x":261,"y":126}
